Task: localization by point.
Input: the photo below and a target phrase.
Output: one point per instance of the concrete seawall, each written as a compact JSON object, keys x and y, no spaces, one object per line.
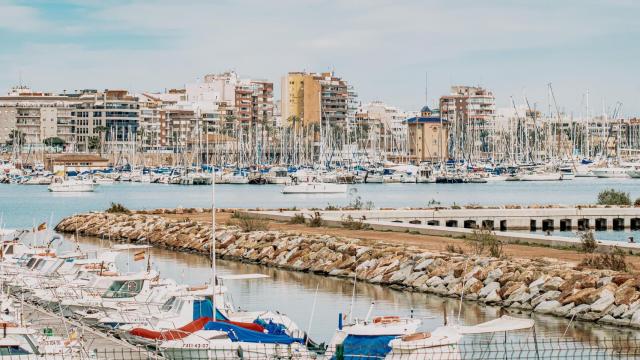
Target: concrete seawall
{"x":539,"y":285}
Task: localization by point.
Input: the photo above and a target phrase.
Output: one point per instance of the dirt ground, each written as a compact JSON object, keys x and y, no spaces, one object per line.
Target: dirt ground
{"x":427,"y":242}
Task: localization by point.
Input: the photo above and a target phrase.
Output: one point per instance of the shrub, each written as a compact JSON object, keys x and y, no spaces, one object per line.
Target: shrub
{"x":612,"y":260}
{"x":316,"y":220}
{"x":331,"y":207}
{"x":588,"y":242}
{"x":236,"y":215}
{"x":455,"y":207}
{"x":455,"y":249}
{"x":637,"y":202}
{"x":297,"y":219}
{"x":485,"y":239}
{"x":613,"y":197}
{"x":117,"y":208}
{"x":350,"y":223}
{"x":248,"y":224}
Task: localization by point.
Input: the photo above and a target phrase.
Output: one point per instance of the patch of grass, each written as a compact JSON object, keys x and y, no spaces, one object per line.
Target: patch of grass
{"x":332,"y":207}
{"x":316,"y":220}
{"x":455,"y":207}
{"x":613,"y":197}
{"x":248,"y":224}
{"x":588,"y":242}
{"x":352,"y":224}
{"x":236,"y":215}
{"x":117,"y":208}
{"x":612,"y":260}
{"x":297,"y":219}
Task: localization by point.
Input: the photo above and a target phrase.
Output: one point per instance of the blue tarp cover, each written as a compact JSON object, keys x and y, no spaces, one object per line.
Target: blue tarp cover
{"x":204,"y":308}
{"x":366,"y":347}
{"x":237,"y":333}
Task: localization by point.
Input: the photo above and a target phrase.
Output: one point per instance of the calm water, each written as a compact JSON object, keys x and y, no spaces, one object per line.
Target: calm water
{"x":295,"y":293}
{"x":24,"y":205}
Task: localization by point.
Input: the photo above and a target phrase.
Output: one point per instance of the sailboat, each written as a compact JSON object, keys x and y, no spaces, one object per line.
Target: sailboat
{"x":216,"y":337}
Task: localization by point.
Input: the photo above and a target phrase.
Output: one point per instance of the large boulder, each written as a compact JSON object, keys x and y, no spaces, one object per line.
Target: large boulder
{"x":546,"y":307}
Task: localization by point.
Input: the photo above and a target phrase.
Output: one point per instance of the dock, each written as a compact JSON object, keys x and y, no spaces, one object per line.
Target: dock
{"x":98,"y":344}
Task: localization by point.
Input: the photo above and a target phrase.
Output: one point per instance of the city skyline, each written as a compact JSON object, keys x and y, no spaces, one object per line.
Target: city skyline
{"x":383,"y":48}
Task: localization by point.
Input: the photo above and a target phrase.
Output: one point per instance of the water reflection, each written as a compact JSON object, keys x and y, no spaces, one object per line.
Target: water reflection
{"x":293,"y":293}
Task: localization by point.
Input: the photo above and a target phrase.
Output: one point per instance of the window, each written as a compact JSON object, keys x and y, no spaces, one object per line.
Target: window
{"x":124,"y":289}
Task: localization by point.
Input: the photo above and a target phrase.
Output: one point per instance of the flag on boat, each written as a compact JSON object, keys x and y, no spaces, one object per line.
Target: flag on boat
{"x":42,"y":226}
{"x":139,"y":255}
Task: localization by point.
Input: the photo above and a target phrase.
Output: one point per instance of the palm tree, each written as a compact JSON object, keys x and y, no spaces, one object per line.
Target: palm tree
{"x":94,"y":143}
{"x":101,"y":133}
{"x":16,"y":137}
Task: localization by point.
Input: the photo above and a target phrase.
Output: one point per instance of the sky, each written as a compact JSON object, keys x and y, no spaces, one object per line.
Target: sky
{"x":386,"y":48}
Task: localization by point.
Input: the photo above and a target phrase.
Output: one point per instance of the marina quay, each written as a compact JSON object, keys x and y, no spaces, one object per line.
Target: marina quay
{"x":319,"y":180}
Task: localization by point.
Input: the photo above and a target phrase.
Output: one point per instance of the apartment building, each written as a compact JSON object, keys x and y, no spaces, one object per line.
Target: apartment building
{"x":470,"y":112}
{"x":112,"y":115}
{"x":313,"y":98}
{"x":35,"y":116}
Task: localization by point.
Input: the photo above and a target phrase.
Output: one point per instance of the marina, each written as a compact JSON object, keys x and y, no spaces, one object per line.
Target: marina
{"x":331,"y":180}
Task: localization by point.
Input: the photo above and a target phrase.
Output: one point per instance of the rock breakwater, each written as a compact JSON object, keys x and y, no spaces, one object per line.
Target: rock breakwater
{"x":539,"y":285}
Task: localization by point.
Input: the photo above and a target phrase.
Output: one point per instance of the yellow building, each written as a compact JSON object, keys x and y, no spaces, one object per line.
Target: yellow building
{"x":312,"y":97}
{"x":428,"y":137}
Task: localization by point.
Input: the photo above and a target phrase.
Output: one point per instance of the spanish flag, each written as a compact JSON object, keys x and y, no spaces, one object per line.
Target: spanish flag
{"x":139,"y":255}
{"x":42,"y":227}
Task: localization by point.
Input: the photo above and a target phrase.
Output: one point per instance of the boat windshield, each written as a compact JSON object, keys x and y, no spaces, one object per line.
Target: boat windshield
{"x":168,"y":304}
{"x":31,"y":262}
{"x":123,"y":289}
{"x":13,"y":350}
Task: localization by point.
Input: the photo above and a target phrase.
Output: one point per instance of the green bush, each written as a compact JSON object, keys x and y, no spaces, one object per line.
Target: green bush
{"x":117,"y":208}
{"x":297,"y":219}
{"x":637,"y":202}
{"x":351,"y":224}
{"x":613,"y":197}
{"x":588,"y":242}
{"x":315,"y":221}
{"x":485,"y":240}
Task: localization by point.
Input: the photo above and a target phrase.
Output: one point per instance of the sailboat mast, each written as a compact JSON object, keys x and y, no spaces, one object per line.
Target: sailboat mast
{"x":213,"y":242}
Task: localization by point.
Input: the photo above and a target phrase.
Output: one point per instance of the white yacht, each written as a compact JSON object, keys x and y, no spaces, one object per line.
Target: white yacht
{"x":611,"y":172}
{"x":71,"y":185}
{"x":315,"y":188}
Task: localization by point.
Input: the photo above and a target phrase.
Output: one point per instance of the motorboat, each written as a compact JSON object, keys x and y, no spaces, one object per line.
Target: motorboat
{"x":369,"y":339}
{"x":611,"y":172}
{"x":278,"y":175}
{"x":71,"y":185}
{"x":541,"y":176}
{"x":443,"y":342}
{"x":314,"y":188}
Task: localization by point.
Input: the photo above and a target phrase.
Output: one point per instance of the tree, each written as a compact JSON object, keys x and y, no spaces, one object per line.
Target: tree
{"x":54,"y":141}
{"x":102,"y":130}
{"x":16,"y":136}
{"x":94,"y":143}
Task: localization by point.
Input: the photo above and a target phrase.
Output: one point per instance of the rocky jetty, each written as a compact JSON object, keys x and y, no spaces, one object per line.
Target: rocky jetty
{"x":539,"y":285}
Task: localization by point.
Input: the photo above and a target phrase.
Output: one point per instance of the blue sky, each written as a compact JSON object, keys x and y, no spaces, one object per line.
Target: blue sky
{"x":383,"y":47}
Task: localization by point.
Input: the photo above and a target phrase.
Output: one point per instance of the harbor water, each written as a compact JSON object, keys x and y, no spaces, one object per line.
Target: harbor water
{"x":296,"y":293}
{"x":22,"y":206}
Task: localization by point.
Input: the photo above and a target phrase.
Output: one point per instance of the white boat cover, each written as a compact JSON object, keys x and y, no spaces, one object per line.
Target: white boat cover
{"x":502,"y":324}
{"x":242,"y":276}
